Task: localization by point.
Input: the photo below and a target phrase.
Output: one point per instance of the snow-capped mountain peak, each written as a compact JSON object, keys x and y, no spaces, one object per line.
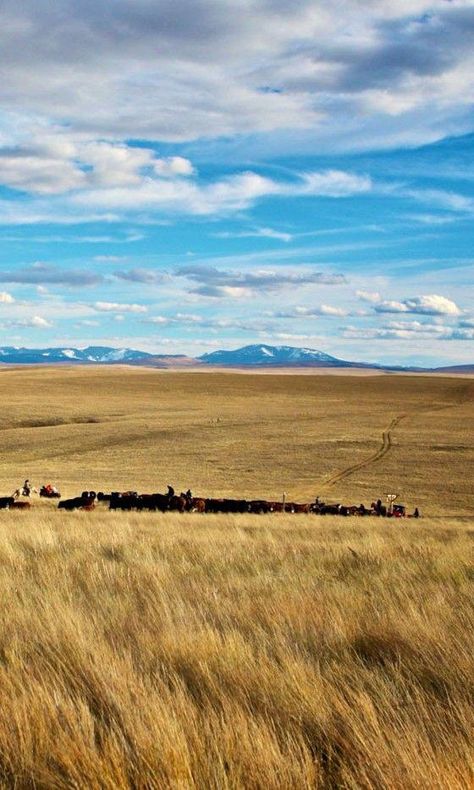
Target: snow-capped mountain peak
{"x":92,"y":354}
{"x":263,"y":354}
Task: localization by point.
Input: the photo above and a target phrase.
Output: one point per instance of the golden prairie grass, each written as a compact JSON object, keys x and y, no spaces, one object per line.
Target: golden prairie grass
{"x":253,"y":436}
{"x":154,"y":651}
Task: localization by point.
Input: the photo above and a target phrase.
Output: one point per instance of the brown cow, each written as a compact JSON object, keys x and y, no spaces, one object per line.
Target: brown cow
{"x":198,"y":505}
{"x":177,"y":503}
{"x":301,"y":508}
{"x":276,"y":507}
{"x":20,"y":505}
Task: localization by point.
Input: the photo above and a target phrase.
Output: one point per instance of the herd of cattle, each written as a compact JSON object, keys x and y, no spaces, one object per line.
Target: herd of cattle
{"x":186,"y":503}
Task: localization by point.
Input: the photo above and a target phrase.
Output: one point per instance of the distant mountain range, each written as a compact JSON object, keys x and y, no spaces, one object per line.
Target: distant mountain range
{"x":258,"y":356}
{"x":92,"y":354}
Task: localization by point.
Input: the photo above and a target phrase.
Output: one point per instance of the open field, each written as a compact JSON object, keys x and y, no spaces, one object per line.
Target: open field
{"x":235,"y":652}
{"x":346,"y":438}
{"x":195,"y":651}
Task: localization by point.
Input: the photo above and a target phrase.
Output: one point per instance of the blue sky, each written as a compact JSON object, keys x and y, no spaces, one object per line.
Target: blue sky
{"x":180,"y":177}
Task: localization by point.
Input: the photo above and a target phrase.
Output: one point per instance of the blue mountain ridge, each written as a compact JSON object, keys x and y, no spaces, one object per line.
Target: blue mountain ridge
{"x":256,"y":355}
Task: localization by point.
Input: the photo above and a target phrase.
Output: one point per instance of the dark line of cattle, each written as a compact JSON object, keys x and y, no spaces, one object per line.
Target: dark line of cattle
{"x":184,"y":503}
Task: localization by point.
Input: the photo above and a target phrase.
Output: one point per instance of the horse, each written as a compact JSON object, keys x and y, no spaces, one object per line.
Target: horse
{"x":24,"y":492}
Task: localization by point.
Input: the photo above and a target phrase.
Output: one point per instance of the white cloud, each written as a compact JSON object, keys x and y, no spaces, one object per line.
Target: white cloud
{"x":161,"y":320}
{"x":121,"y":178}
{"x":312,"y":312}
{"x":430,"y":304}
{"x":192,"y":321}
{"x":117,"y":307}
{"x":6,"y":298}
{"x":369,"y":296}
{"x":39,"y":174}
{"x":176,"y":71}
{"x":115,"y":165}
{"x":35,"y":322}
{"x":335,"y":183}
{"x":442,"y":198}
{"x":409,"y":330}
{"x":265,"y":233}
{"x":173,"y":166}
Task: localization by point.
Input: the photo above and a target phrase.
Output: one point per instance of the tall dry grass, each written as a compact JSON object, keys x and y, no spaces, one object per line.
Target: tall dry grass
{"x":235,"y":652}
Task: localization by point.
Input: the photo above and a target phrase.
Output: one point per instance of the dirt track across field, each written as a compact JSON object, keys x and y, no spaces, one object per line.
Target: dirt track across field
{"x":371,"y":459}
{"x":462,"y":396}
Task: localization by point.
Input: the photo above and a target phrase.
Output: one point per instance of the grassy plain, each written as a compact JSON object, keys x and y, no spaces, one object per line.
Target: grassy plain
{"x":155,"y":651}
{"x":227,"y":434}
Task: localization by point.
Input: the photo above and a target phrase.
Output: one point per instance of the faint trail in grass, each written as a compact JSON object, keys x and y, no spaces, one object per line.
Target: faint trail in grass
{"x":463,"y":394}
{"x":384,"y":448}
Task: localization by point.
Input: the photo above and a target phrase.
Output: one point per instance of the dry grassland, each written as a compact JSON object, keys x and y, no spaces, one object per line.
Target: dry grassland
{"x":218,"y":652}
{"x":225,"y":434}
{"x":165,"y":651}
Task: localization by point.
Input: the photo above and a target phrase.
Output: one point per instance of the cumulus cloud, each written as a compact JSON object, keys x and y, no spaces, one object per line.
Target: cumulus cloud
{"x":214,"y":282}
{"x":430,"y":304}
{"x":6,"y":298}
{"x":117,"y":307}
{"x":369,"y":296}
{"x":104,"y":176}
{"x":31,"y":171}
{"x":49,"y":166}
{"x":173,"y":166}
{"x":177,"y":70}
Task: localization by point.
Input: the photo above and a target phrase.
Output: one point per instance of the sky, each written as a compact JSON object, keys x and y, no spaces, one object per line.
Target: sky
{"x":180,"y":176}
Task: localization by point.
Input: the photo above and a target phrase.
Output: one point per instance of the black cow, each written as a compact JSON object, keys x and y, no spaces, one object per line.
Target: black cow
{"x":259,"y":506}
{"x":83,"y":502}
{"x":6,"y":502}
{"x":127,"y":501}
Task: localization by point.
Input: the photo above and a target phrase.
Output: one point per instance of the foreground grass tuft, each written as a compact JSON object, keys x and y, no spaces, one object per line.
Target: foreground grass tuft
{"x":228,"y":652}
